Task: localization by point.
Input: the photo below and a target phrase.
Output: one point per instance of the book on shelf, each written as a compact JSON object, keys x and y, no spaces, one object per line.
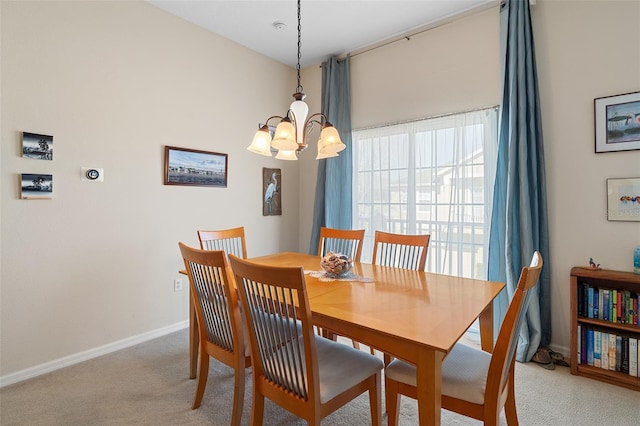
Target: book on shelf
{"x":620,"y":305}
{"x":606,"y":304}
{"x":604,"y":350}
{"x":612,"y":352}
{"x":614,"y":305}
{"x":633,"y":357}
{"x":590,"y":346}
{"x":589,"y":302}
{"x":583,"y":346}
{"x":624,"y":366}
{"x":618,"y":353}
{"x":579,"y":345}
{"x":597,"y":344}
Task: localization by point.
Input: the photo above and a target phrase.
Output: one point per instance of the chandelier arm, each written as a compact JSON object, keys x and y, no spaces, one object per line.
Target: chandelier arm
{"x":323,"y":118}
{"x":272,"y":117}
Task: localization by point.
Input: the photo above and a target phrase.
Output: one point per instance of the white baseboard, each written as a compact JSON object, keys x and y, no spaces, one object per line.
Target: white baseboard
{"x":57,"y":364}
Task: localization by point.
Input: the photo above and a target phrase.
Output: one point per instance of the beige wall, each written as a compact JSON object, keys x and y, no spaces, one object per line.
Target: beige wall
{"x":114,"y":82}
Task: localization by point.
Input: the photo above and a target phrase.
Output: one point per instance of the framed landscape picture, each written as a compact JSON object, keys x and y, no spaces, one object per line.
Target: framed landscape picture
{"x":193,"y":167}
{"x":623,"y":199}
{"x":36,"y":186}
{"x":617,"y":122}
{"x":37,"y":146}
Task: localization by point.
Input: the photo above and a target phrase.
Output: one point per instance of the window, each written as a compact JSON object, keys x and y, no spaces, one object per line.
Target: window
{"x":433,"y":176}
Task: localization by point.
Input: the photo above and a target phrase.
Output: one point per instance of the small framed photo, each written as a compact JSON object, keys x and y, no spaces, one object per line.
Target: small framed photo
{"x":193,"y":167}
{"x":37,"y":146}
{"x":617,"y":122}
{"x":36,"y":186}
{"x":623,"y":199}
{"x":271,"y":190}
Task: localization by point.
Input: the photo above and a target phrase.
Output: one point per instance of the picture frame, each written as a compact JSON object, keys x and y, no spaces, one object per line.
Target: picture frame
{"x":36,"y":186}
{"x":271,"y":192}
{"x":193,"y":167}
{"x":623,"y":199}
{"x":617,"y":122}
{"x":37,"y":146}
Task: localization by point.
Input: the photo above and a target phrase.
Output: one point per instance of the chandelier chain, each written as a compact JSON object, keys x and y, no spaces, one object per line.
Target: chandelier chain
{"x":299,"y":88}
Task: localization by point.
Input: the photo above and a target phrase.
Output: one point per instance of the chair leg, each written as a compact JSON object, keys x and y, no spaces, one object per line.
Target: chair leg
{"x":375,"y":401}
{"x":257,"y":408}
{"x":203,"y":374}
{"x":355,"y":344}
{"x":238,"y":396}
{"x":392,"y":401}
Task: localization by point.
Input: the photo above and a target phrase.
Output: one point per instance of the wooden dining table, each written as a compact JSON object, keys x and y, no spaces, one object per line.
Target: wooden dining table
{"x":412,"y":315}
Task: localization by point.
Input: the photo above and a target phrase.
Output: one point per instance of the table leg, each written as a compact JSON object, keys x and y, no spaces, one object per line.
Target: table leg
{"x":429,"y":386}
{"x":486,"y":328}
{"x":194,"y":340}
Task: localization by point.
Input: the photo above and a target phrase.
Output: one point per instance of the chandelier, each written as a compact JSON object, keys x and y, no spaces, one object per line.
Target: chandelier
{"x":291,"y":134}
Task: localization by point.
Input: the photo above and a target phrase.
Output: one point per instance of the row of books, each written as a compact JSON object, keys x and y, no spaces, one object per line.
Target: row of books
{"x":608,"y":350}
{"x":616,"y":306}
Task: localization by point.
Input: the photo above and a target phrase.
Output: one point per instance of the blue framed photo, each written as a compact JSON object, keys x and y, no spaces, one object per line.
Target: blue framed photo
{"x":617,"y":122}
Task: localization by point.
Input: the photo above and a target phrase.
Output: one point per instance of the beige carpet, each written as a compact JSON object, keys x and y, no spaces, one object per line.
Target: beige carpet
{"x":148,"y":385}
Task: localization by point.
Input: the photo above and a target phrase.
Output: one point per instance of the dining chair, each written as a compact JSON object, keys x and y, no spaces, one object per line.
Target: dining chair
{"x":228,"y":240}
{"x":345,"y":241}
{"x":400,"y":251}
{"x":475,"y":383}
{"x":305,"y":374}
{"x":219,"y":321}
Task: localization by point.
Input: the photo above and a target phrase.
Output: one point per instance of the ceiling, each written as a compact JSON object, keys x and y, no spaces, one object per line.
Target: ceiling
{"x":329,"y":27}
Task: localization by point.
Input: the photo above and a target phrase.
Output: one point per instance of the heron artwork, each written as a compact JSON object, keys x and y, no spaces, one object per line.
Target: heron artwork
{"x":271,"y":205}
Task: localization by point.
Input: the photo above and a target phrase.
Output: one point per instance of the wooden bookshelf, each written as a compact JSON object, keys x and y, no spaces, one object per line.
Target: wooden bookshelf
{"x":601,"y":279}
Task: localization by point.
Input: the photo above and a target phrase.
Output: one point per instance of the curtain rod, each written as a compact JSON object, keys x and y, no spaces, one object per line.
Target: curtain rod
{"x":427,"y":118}
{"x":424,"y":29}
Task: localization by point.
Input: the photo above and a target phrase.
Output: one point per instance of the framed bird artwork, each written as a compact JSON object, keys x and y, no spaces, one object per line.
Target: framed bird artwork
{"x":271,"y":192}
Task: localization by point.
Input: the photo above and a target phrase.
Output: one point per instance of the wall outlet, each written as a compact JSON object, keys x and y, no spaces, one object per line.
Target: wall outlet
{"x":177,"y":285}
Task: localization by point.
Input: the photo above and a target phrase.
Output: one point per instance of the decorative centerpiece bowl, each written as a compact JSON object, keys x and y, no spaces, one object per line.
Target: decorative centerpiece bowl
{"x":336,"y":264}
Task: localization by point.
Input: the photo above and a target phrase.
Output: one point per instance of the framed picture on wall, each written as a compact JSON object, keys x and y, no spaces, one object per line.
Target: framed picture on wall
{"x":271,"y":192}
{"x":623,"y":199}
{"x":617,"y":122}
{"x":36,"y":186}
{"x":39,"y":147}
{"x":193,"y":167}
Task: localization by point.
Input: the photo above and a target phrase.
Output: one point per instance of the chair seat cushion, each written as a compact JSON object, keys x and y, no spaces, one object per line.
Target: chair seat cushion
{"x":340,"y":366}
{"x":464,"y":373}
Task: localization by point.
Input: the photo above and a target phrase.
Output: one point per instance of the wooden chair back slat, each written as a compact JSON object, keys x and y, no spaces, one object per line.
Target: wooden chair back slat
{"x":345,"y":241}
{"x":228,"y":240}
{"x":400,"y":251}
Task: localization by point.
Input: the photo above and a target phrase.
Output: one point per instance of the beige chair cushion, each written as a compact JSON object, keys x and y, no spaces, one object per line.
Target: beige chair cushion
{"x":464,"y":373}
{"x":339,"y":367}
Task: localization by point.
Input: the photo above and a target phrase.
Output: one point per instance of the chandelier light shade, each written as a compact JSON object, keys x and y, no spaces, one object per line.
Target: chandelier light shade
{"x":291,"y":133}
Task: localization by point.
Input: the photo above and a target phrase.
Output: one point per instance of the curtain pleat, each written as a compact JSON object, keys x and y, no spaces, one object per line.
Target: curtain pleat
{"x":519,"y":222}
{"x":333,"y":202}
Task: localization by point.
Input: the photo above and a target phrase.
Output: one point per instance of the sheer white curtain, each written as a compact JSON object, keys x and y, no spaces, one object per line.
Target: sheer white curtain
{"x":432,"y":176}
